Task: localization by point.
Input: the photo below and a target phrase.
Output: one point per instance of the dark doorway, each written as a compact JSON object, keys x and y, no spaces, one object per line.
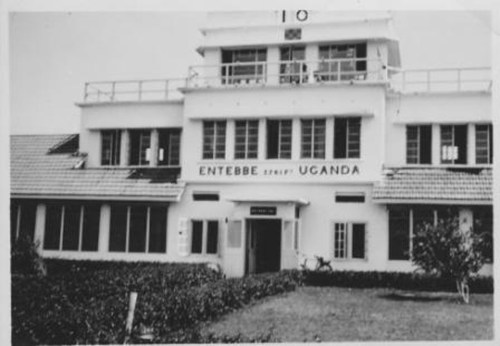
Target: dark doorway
{"x":263,"y":246}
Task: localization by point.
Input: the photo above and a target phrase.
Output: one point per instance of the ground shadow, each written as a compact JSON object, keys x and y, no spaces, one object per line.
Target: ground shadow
{"x":416,"y":297}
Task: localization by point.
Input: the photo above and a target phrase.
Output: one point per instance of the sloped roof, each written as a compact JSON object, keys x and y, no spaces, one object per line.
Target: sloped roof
{"x":44,"y":165}
{"x":463,"y":185}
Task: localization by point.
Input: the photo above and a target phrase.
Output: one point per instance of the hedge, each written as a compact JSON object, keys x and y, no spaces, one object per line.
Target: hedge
{"x":396,"y":280}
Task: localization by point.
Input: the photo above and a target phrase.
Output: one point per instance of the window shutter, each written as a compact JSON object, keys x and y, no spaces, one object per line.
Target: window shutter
{"x":183,"y":237}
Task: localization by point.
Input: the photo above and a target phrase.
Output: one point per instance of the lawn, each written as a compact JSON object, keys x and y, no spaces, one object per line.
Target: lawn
{"x":343,"y":314}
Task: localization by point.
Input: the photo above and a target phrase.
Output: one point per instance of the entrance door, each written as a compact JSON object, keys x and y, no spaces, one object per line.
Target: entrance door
{"x":263,"y":246}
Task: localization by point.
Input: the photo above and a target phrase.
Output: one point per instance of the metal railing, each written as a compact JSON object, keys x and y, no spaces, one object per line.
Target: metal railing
{"x":133,"y":90}
{"x":441,"y":80}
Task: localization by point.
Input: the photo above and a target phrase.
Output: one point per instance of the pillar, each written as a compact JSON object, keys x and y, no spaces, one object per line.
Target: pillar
{"x":273,"y":66}
{"x":436,"y":144}
{"x":125,"y":148}
{"x":154,"y":148}
{"x":262,"y":140}
{"x":296,"y":139}
{"x":104,"y":226}
{"x":471,"y":144}
{"x":40,"y":226}
{"x":230,"y":134}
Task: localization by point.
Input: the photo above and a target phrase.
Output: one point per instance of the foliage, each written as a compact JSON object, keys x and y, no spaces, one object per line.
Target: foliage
{"x":25,"y":259}
{"x":448,"y":251}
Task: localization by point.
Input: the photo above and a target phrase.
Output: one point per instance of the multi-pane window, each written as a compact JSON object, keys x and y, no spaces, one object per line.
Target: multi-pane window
{"x":204,"y":237}
{"x":214,"y":139}
{"x":169,"y":143}
{"x":22,"y":220}
{"x":110,"y":147}
{"x":419,"y":144}
{"x":279,"y":139}
{"x":72,"y":227}
{"x":246,"y":139}
{"x":313,"y":139}
{"x":292,"y":68}
{"x":399,"y":234}
{"x":243,"y":65}
{"x":140,"y":142}
{"x":342,"y":62}
{"x":138,"y":228}
{"x":484,"y":144}
{"x":347,"y":138}
{"x":349,"y":240}
{"x":454,"y":144}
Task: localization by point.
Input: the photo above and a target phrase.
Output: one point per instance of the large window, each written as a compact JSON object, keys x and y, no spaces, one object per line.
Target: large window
{"x":399,"y":234}
{"x":292,"y":68}
{"x":279,"y":139}
{"x":484,"y":144}
{"x":138,"y":228}
{"x":483,"y":225}
{"x":110,"y":147}
{"x":419,"y":144}
{"x":342,"y":62}
{"x":169,"y":143}
{"x":140,"y":142}
{"x":313,"y":139}
{"x":347,"y":138}
{"x":72,"y":227}
{"x":22,"y":219}
{"x":214,"y":139}
{"x":204,"y":237}
{"x":243,"y":65}
{"x":246,"y":139}
{"x":454,"y":144}
{"x":349,"y":240}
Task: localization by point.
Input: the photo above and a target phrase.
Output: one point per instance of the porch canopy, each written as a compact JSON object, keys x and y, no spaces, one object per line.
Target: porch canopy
{"x":436,"y":185}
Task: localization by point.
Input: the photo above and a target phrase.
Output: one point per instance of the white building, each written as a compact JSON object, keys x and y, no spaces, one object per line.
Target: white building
{"x":300,"y":135}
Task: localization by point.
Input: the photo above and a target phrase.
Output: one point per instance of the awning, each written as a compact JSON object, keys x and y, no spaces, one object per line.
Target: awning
{"x":268,"y":199}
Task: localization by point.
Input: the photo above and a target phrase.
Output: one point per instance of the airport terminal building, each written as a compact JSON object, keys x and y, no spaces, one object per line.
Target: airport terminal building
{"x":300,"y":135}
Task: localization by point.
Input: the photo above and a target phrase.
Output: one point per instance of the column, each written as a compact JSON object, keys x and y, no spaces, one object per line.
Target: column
{"x":273,"y":67}
{"x":40,"y":226}
{"x":125,"y":148}
{"x":262,"y":140}
{"x":471,"y":144}
{"x":436,"y":144}
{"x":153,"y":148}
{"x":296,"y":140}
{"x":104,"y":226}
{"x":312,"y":57}
{"x":329,"y":138}
{"x":230,"y":133}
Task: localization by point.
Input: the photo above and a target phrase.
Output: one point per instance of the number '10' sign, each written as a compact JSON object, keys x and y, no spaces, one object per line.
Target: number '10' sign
{"x":300,"y":15}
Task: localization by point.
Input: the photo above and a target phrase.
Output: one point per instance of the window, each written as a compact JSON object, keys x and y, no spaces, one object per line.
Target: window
{"x":138,"y":228}
{"x":72,"y":227}
{"x":243,"y":65}
{"x":483,"y":225}
{"x":214,"y":139}
{"x":349,"y":241}
{"x":347,"y":138}
{"x":399,"y":234}
{"x":140,"y":141}
{"x":246,"y":139}
{"x":204,"y":237}
{"x":454,"y":144}
{"x":22,"y":219}
{"x":484,"y":144}
{"x":205,"y":196}
{"x":348,"y":197}
{"x":293,"y":67}
{"x":110,"y":147}
{"x":279,"y":139}
{"x":313,"y":139}
{"x":340,"y":62}
{"x":169,"y":144}
{"x":419,"y":144}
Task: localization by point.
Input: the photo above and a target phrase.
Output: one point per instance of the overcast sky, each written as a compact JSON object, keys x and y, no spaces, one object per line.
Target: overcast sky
{"x":52,"y":55}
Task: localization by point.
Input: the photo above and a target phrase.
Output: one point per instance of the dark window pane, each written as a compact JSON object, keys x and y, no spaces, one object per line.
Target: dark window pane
{"x":139,"y":142}
{"x":212,"y":237}
{"x":205,"y":196}
{"x":358,"y":240}
{"x":137,"y":232}
{"x":340,"y":138}
{"x":272,"y":139}
{"x":158,"y":230}
{"x":110,"y":147}
{"x":118,"y":228}
{"x":28,"y":219}
{"x":71,"y":234}
{"x":483,"y":225}
{"x":426,"y":144}
{"x":196,"y":237}
{"x":13,"y":220}
{"x":399,"y":234}
{"x":169,"y":147}
{"x":461,"y":142}
{"x":91,"y":221}
{"x":350,"y":198}
{"x":421,"y":217}
{"x":52,"y":227}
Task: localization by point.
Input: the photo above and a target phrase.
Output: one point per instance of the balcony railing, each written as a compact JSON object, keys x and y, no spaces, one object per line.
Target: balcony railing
{"x":441,"y":80}
{"x":287,"y":72}
{"x":133,"y":90}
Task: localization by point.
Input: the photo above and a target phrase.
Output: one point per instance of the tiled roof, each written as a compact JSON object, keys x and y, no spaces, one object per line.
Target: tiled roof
{"x":35,"y":172}
{"x":436,"y":184}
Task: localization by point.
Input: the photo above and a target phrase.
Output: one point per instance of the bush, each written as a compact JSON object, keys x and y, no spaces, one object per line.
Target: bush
{"x":25,"y":259}
{"x":397,"y":280}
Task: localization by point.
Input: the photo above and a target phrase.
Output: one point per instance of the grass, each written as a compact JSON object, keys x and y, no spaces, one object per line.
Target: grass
{"x":343,"y":314}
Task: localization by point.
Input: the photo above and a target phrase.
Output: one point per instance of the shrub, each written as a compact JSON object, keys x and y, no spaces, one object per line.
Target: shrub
{"x":25,"y":259}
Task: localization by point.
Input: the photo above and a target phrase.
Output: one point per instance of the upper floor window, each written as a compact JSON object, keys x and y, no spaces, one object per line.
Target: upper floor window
{"x":214,"y":139}
{"x":419,"y":144}
{"x":243,"y":65}
{"x":292,"y":68}
{"x":347,"y":138}
{"x":484,"y":144}
{"x":342,"y":62}
{"x":454,"y":144}
{"x":246,"y":139}
{"x":140,"y":141}
{"x":279,"y":139}
{"x":169,"y":143}
{"x":110,"y":147}
{"x":313,"y":139}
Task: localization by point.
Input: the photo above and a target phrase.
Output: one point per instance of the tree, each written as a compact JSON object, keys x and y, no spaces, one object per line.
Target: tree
{"x":449,"y":251}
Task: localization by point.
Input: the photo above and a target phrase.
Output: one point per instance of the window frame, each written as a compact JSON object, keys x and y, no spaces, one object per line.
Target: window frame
{"x":232,"y":74}
{"x":204,"y":237}
{"x":172,"y":151}
{"x":214,"y":139}
{"x":346,"y":241}
{"x":115,"y":147}
{"x":416,"y":145}
{"x":246,"y":140}
{"x":142,"y":151}
{"x":330,"y":65}
{"x":281,"y":154}
{"x":20,"y":222}
{"x":350,"y":138}
{"x":308,"y":149}
{"x":488,"y":144}
{"x":452,"y":143}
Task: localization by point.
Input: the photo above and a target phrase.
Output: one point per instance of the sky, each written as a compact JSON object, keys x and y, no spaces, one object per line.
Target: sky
{"x":52,"y":55}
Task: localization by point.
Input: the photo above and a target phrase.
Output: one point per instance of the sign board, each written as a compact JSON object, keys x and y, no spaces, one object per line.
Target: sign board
{"x":263,"y":211}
